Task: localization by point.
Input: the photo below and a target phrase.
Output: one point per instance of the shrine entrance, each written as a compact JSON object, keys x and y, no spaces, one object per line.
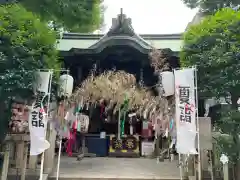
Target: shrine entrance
{"x":119,"y":49}
{"x":115,"y":58}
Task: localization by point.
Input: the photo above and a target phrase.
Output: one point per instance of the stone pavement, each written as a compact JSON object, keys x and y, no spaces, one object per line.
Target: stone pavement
{"x":116,"y":168}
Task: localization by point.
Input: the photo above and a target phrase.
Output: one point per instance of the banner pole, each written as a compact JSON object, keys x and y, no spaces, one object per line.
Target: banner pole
{"x":60,"y":145}
{"x":59,"y":158}
{"x":180,"y":166}
{"x":49,"y":94}
{"x":197,"y":122}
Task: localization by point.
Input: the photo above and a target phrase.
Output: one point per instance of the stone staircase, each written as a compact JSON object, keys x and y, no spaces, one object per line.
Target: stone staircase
{"x":116,"y":169}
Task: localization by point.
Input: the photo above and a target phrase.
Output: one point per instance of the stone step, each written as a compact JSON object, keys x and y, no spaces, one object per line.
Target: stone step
{"x":116,"y":169}
{"x":116,"y":178}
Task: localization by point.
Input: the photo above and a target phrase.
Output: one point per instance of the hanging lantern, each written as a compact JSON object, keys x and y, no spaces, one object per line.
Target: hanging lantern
{"x":42,"y":81}
{"x":167,"y":79}
{"x":65,"y":85}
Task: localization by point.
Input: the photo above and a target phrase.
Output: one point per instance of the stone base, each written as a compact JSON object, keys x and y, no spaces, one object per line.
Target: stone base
{"x":12,"y":177}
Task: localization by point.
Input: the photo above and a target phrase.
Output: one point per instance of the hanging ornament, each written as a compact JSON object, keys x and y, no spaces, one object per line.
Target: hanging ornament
{"x":171,"y":124}
{"x":102,"y":108}
{"x":141,"y":82}
{"x":65,"y":85}
{"x":93,"y":71}
{"x":114,"y":68}
{"x":124,"y":112}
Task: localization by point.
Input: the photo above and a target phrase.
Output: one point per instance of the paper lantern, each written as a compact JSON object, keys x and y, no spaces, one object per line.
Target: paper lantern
{"x":42,"y":81}
{"x":65,"y":85}
{"x":167,"y":83}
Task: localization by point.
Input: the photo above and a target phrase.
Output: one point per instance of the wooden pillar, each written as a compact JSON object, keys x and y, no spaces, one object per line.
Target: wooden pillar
{"x":24,"y":162}
{"x":191,"y":168}
{"x":5,"y":162}
{"x":20,"y":152}
{"x":32,"y":164}
{"x":50,"y":153}
{"x":79,"y":74}
{"x":12,"y":153}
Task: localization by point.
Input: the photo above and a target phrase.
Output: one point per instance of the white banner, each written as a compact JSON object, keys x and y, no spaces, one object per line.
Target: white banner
{"x":185,"y":111}
{"x":37,"y":115}
{"x":37,"y":127}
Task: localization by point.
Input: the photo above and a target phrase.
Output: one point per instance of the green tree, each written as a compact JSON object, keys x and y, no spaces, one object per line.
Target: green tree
{"x":211,"y":6}
{"x":214,"y":46}
{"x":26,"y":44}
{"x":72,"y":15}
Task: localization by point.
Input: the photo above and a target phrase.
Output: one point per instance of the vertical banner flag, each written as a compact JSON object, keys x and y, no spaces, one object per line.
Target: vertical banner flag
{"x":38,"y":118}
{"x":185,"y":110}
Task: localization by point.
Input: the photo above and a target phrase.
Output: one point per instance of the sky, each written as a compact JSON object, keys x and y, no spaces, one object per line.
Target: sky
{"x":151,"y":16}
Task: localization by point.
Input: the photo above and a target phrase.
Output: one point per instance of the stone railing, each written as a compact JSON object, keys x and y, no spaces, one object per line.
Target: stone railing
{"x":18,"y":163}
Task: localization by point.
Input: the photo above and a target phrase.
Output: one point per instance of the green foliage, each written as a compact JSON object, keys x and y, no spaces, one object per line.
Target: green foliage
{"x":224,"y":145}
{"x":229,"y":122}
{"x":214,"y":46}
{"x":73,"y":15}
{"x":229,"y":127}
{"x":211,"y":6}
{"x":26,"y":44}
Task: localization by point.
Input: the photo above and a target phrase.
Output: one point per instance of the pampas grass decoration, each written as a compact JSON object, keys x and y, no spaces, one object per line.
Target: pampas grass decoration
{"x":114,"y":86}
{"x":111,"y":86}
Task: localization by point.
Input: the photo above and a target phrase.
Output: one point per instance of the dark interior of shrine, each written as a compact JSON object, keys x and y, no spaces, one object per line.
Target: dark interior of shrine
{"x":123,"y":58}
{"x":112,"y":58}
{"x":117,"y":57}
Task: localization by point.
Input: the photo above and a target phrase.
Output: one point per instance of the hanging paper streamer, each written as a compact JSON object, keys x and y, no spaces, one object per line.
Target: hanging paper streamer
{"x":77,"y":109}
{"x":171,"y":124}
{"x":71,"y":138}
{"x":79,"y":126}
{"x":124,"y":111}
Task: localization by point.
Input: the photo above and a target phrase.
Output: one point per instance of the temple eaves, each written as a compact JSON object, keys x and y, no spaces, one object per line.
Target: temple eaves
{"x":120,"y":30}
{"x":80,"y":43}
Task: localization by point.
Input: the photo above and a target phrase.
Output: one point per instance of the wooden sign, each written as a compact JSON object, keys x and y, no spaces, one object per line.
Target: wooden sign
{"x":127,"y":146}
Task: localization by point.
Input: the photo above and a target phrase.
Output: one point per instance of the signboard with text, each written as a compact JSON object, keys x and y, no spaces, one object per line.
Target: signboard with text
{"x":185,"y":110}
{"x":127,"y":146}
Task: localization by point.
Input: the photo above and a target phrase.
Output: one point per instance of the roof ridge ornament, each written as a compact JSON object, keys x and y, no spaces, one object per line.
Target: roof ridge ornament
{"x":121,"y":16}
{"x":121,"y":25}
{"x":122,"y":32}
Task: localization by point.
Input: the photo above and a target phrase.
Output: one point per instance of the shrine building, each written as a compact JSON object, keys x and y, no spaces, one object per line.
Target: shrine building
{"x":120,"y":48}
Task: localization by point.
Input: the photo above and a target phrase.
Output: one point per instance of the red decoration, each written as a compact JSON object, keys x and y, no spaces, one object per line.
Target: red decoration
{"x":146,"y":133}
{"x":72,"y":138}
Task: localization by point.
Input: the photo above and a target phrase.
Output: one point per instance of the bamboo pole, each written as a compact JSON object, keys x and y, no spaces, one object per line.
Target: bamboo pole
{"x":119,"y":124}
